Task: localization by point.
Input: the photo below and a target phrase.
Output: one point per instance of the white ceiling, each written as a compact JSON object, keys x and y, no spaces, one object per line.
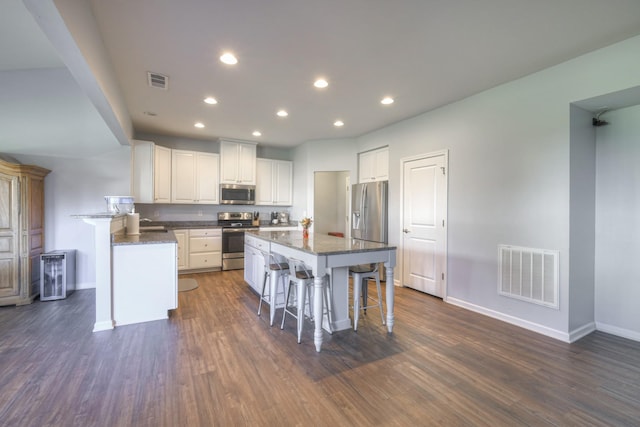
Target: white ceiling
{"x":424,"y":53}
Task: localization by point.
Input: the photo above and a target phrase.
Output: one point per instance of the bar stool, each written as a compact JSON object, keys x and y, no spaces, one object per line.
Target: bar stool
{"x":361,"y":275}
{"x":303,"y":278}
{"x":274,"y":270}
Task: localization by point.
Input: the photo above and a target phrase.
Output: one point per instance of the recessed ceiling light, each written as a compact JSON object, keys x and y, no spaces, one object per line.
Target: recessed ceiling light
{"x":338,"y":123}
{"x":386,"y":100}
{"x":229,"y":58}
{"x":210,"y":100}
{"x":282,"y":113}
{"x":199,"y":125}
{"x":257,"y":133}
{"x":321,"y":83}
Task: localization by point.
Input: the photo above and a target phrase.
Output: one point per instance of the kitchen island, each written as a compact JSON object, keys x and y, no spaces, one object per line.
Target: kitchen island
{"x":331,"y":256}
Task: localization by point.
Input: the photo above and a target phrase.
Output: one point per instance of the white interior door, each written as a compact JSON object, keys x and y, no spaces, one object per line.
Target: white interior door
{"x":424,"y":211}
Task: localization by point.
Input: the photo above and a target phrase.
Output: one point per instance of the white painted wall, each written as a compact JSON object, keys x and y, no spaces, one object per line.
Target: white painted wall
{"x":314,"y":156}
{"x":617,"y":272}
{"x":509,"y":175}
{"x":78,"y":187}
{"x":582,"y":222}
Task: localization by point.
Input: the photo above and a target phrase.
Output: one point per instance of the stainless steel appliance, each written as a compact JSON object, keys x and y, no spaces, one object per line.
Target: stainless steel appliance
{"x":234,"y":224}
{"x":233,"y":194}
{"x":283,"y":217}
{"x":369,"y":211}
{"x":57,"y":274}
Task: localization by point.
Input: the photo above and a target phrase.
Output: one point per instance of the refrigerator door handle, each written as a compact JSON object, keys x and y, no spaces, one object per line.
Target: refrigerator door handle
{"x":356,"y":220}
{"x":363,"y":208}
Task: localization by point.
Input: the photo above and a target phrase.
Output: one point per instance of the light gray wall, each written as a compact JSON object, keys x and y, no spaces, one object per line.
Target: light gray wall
{"x":617,"y":272}
{"x":78,"y":187}
{"x":582,"y":221}
{"x":315,"y":156}
{"x":509,"y":175}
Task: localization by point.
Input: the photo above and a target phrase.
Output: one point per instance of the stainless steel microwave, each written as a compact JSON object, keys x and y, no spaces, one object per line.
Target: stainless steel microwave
{"x":234,"y":194}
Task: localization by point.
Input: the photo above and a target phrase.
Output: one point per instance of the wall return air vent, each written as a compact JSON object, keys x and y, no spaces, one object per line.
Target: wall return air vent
{"x":158,"y":80}
{"x":529,"y":274}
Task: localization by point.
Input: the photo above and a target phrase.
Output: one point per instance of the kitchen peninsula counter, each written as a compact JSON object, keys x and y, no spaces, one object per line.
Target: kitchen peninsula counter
{"x":331,"y":256}
{"x":144,"y":238}
{"x":136,"y":275}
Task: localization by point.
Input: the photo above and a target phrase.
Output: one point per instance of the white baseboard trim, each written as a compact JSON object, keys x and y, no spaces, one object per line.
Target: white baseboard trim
{"x":582,"y":331}
{"x":88,"y":285}
{"x":103,"y":326}
{"x":544,"y":330}
{"x":617,"y":331}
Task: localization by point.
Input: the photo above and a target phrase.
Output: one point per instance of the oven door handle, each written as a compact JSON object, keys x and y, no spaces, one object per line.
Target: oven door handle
{"x":233,"y":230}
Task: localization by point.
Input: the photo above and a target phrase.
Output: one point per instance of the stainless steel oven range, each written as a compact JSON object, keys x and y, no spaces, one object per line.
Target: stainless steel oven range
{"x":234,"y":224}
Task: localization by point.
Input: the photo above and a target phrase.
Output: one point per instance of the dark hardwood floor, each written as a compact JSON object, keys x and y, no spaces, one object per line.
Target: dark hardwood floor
{"x":215,"y":363}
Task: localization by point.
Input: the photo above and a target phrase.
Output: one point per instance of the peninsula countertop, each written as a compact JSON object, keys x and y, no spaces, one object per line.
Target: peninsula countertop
{"x":144,"y":238}
{"x":319,"y":244}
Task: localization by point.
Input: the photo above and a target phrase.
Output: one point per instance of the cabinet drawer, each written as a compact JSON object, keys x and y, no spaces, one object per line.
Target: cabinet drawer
{"x":204,"y":244}
{"x":205,"y":260}
{"x":206,"y":232}
{"x":256,"y":243}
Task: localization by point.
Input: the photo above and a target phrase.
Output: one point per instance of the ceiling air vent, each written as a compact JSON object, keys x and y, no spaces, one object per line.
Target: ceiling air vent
{"x":158,"y":80}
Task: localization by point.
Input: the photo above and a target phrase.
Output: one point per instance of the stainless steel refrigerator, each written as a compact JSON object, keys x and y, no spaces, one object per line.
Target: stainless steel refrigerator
{"x":369,"y":211}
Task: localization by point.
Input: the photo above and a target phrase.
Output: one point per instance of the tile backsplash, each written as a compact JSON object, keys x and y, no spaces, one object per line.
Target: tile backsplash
{"x":176,"y":212}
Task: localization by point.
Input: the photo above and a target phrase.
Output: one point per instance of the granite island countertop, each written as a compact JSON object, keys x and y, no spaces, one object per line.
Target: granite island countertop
{"x":318,"y":244}
{"x":144,"y":238}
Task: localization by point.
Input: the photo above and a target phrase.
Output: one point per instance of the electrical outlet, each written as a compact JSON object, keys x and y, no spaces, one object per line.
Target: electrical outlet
{"x":156,"y":214}
{"x":199,"y":213}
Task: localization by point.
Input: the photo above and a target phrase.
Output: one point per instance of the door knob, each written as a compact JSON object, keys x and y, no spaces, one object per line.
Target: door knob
{"x":406,"y":230}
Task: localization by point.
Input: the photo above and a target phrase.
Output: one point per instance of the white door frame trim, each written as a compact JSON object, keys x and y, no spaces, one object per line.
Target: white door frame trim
{"x":400,"y":260}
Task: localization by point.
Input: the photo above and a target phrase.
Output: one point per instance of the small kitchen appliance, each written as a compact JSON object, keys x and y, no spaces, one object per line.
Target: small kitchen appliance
{"x":283,"y":217}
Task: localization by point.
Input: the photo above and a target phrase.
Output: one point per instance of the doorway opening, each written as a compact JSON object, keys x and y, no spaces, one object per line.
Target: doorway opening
{"x":332,"y":193}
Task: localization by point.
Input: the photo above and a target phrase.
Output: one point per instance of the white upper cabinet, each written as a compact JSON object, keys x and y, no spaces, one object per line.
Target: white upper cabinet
{"x":183,"y":176}
{"x":374,"y":165}
{"x":274,"y":185}
{"x":237,"y":162}
{"x":194,"y":177}
{"x":150,"y":172}
{"x":207,"y":178}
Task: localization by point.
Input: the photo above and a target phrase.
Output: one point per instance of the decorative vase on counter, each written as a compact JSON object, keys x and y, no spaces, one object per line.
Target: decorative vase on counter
{"x":306,"y":223}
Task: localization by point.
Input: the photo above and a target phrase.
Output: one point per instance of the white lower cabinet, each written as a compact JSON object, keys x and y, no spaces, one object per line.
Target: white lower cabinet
{"x":182,"y":236}
{"x":205,"y":248}
{"x":254,"y":268}
{"x":254,"y":262}
{"x":199,"y":249}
